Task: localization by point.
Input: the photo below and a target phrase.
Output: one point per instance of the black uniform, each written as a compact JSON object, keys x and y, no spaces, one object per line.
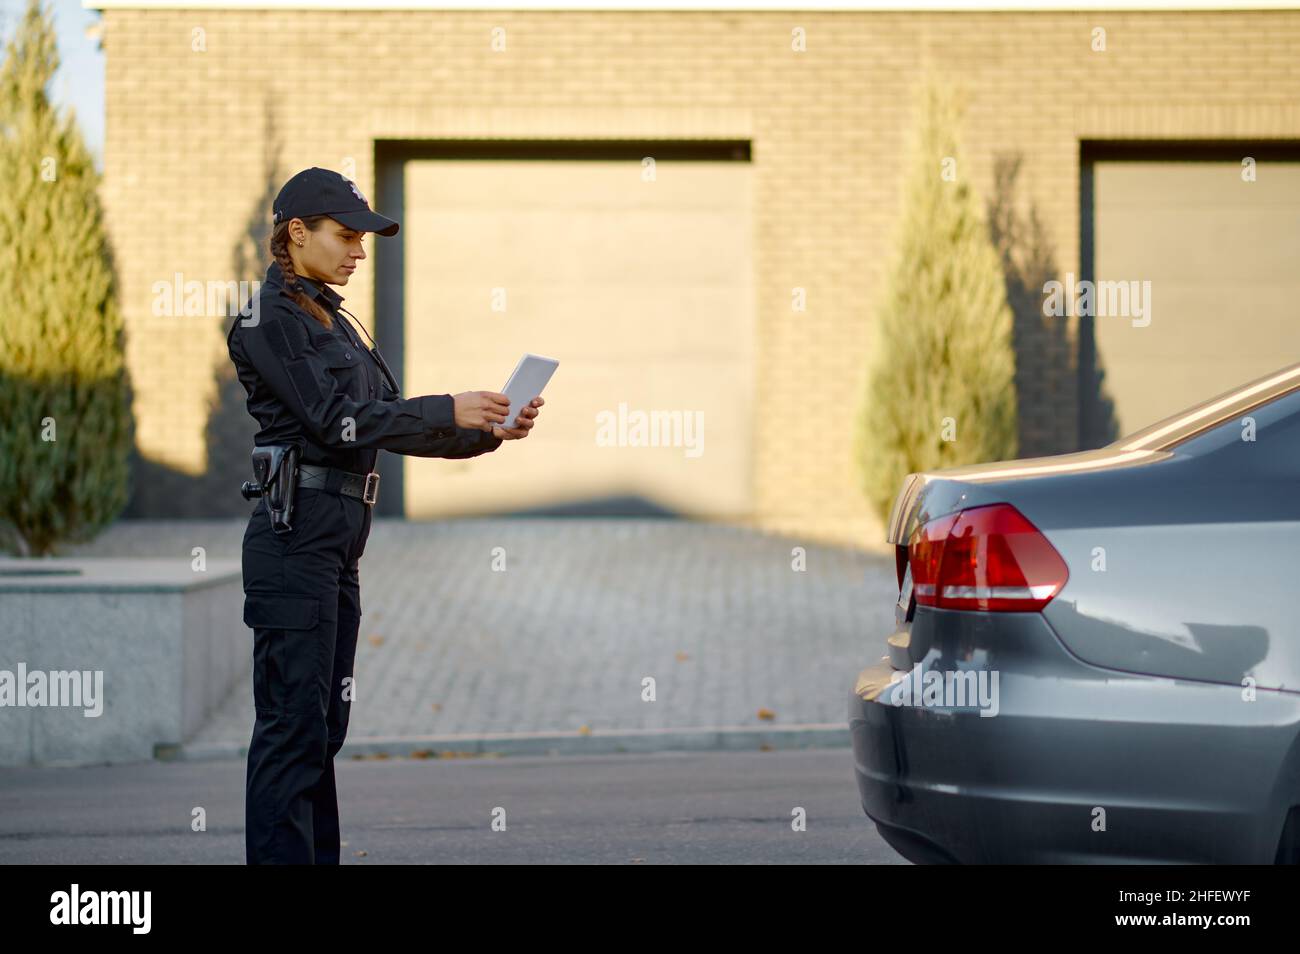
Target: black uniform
{"x":324,"y":391}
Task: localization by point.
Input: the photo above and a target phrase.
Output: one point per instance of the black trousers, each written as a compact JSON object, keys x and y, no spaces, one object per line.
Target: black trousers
{"x":303,"y":602}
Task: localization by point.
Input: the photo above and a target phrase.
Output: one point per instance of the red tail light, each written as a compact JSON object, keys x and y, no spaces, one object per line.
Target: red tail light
{"x":986,"y":558}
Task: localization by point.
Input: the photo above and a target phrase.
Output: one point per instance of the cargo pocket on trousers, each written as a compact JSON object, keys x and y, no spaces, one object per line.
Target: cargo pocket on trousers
{"x":287,"y":653}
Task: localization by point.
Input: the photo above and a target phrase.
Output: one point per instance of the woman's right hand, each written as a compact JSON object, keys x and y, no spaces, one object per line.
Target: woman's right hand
{"x":481,"y":409}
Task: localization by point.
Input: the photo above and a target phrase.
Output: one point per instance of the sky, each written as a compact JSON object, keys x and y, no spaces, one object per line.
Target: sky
{"x":79,"y":84}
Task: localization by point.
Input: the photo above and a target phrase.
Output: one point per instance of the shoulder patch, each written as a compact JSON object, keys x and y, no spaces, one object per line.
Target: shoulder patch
{"x":283,"y":331}
{"x":279,"y":342}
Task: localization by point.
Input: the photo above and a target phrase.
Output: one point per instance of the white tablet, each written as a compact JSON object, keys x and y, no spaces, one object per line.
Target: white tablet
{"x":526,"y":382}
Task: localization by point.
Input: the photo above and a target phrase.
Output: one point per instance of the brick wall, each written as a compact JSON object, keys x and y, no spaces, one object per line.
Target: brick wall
{"x":185,"y":167}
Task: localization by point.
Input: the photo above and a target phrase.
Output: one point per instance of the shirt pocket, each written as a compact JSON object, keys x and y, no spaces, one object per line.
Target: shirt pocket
{"x":344,"y":365}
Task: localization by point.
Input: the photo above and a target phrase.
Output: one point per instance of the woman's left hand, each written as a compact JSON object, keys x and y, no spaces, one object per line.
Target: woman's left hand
{"x":524,"y":421}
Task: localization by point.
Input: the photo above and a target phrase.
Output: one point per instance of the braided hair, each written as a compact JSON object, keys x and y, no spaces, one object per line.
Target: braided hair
{"x":279,"y":247}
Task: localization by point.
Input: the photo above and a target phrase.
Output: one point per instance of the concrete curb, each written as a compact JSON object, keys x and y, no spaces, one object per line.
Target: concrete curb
{"x":738,"y":738}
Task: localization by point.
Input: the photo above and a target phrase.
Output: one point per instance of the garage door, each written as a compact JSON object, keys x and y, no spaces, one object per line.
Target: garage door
{"x":642,"y":290}
{"x":1221,"y":257}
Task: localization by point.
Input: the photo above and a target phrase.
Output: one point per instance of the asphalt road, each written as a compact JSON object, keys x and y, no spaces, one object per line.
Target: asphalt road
{"x":664,"y":808}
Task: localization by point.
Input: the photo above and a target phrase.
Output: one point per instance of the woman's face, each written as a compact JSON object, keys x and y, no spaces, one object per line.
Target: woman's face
{"x":329,"y":254}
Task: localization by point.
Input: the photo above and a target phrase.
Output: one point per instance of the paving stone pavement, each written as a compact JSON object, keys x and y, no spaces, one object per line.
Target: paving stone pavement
{"x":585,"y":609}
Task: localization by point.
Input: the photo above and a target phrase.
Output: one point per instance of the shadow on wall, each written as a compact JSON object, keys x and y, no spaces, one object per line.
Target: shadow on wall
{"x":1048,"y":389}
{"x":160,"y":491}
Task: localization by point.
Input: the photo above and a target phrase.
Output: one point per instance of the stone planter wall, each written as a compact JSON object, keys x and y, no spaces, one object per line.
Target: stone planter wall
{"x":165,"y":641}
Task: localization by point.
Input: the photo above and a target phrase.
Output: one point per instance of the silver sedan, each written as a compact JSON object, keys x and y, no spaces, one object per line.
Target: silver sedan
{"x":1097,"y":655}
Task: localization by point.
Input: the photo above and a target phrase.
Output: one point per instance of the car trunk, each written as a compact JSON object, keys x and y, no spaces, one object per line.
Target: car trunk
{"x":926,"y":496}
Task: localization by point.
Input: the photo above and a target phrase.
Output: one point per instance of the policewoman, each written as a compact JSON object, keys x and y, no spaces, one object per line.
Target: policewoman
{"x":325,"y":404}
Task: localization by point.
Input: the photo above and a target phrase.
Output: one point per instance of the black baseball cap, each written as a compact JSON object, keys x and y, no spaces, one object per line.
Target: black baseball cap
{"x":317,"y":191}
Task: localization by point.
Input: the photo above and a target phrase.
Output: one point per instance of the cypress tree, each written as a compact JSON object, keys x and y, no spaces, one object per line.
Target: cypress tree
{"x":941,"y":391}
{"x":65,"y":419}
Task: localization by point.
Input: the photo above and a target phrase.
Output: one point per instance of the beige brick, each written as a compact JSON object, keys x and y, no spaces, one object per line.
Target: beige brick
{"x":830,"y":129}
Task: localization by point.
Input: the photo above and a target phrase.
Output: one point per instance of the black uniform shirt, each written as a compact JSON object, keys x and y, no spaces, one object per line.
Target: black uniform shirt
{"x":321,"y":389}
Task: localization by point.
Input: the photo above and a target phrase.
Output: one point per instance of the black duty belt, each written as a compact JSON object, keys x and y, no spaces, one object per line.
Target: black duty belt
{"x":362,"y":486}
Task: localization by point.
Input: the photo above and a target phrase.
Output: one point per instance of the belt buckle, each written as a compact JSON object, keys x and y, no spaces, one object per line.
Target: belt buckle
{"x":371,"y":492}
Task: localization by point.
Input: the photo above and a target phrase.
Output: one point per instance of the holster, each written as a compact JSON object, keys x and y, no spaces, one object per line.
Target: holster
{"x":275,"y":473}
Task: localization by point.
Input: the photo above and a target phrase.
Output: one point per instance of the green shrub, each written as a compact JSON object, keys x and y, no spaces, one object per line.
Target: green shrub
{"x":65,"y":420}
{"x":941,"y":391}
